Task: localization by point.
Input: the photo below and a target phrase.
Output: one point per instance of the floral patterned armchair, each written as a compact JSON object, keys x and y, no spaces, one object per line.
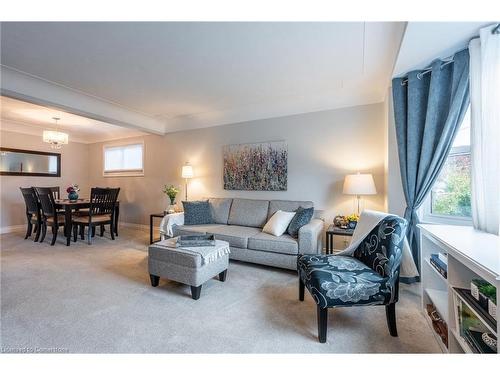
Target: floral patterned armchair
{"x":369,"y":277}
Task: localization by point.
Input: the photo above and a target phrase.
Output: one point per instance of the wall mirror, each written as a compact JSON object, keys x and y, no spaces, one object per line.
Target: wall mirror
{"x":15,"y":162}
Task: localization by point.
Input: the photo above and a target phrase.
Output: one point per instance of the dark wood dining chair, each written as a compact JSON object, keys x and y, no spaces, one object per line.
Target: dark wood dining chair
{"x":56,"y":192}
{"x":101,"y":212}
{"x":50,"y":216}
{"x":33,"y":214}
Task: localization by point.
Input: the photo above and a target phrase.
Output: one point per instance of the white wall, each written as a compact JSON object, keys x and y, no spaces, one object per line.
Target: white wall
{"x":322,"y":147}
{"x":396,"y":202}
{"x":74,"y":169}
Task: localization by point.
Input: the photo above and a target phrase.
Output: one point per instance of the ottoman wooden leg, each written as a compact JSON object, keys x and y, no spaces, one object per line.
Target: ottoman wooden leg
{"x":301,"y":289}
{"x":155,"y":280}
{"x":223,"y":275}
{"x":195,"y":292}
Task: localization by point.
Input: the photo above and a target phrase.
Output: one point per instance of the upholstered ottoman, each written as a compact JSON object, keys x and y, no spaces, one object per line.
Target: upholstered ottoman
{"x":191,"y":266}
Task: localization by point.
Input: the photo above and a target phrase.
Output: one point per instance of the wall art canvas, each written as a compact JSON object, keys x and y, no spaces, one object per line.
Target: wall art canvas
{"x":256,"y":166}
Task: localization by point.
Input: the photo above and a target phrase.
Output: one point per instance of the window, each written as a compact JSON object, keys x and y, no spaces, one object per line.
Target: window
{"x":124,"y":160}
{"x":450,"y":198}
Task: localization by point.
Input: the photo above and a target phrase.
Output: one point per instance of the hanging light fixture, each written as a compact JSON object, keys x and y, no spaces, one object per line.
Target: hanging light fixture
{"x":55,"y":137}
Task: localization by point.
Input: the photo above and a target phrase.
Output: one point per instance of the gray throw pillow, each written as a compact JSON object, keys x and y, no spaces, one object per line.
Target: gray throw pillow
{"x":197,"y":212}
{"x":302,"y":217}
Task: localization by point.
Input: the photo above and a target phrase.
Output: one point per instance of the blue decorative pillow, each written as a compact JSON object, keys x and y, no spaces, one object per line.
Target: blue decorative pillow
{"x":197,"y":212}
{"x":302,"y":217}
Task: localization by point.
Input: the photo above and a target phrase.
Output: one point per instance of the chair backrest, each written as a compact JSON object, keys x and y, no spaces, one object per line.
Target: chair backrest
{"x":31,"y":201}
{"x":103,"y":200}
{"x":56,"y":191}
{"x":382,"y":249}
{"x":46,"y":199}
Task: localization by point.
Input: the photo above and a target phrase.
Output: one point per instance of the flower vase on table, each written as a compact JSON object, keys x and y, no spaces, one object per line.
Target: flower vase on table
{"x":171,"y":191}
{"x":352,"y":220}
{"x":73,"y":192}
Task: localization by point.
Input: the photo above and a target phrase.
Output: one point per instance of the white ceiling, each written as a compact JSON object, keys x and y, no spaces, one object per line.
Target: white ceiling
{"x":192,"y":75}
{"x":27,"y":118}
{"x":424,"y":42}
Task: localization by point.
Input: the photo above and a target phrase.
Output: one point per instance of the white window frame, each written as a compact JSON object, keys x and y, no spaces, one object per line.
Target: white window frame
{"x":124,"y":172}
{"x":425,"y":211}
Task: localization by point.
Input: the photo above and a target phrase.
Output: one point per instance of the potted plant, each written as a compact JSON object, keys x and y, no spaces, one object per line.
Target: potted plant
{"x":353,"y":220}
{"x":72,"y":191}
{"x":171,"y":191}
{"x":489,"y":292}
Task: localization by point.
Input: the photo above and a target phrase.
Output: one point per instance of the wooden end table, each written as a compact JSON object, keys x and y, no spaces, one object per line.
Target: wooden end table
{"x":151,"y":231}
{"x":335,"y":231}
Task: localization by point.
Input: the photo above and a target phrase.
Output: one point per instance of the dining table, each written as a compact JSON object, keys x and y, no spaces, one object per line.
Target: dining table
{"x":74,"y":205}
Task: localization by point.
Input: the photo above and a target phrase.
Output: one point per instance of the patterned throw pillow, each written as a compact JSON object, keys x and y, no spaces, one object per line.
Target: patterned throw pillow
{"x":302,"y":217}
{"x":197,"y":212}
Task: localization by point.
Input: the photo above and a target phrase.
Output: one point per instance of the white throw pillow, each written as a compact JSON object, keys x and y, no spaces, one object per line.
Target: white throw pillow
{"x":278,"y":223}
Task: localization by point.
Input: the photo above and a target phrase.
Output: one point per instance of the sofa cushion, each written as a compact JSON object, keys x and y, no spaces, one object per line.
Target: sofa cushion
{"x":302,"y":217}
{"x":180,"y":230}
{"x":278,"y":223}
{"x":289,"y":206}
{"x":197,"y":212}
{"x":220,"y":209}
{"x":284,"y":244}
{"x":248,"y":212}
{"x":236,"y":235}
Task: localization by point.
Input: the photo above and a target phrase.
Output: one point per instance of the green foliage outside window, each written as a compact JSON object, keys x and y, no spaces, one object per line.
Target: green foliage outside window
{"x":451,"y":194}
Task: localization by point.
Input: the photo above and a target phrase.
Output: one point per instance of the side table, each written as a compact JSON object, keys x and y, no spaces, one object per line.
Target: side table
{"x":151,"y":228}
{"x":335,"y":231}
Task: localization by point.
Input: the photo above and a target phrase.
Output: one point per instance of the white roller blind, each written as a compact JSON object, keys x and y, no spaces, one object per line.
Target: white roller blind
{"x":123,"y":158}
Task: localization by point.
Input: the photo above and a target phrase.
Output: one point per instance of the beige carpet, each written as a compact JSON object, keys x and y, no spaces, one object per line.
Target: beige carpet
{"x":88,"y":299}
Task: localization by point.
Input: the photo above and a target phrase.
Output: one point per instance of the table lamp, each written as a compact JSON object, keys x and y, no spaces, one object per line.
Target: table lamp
{"x":187,"y":173}
{"x":359,"y":184}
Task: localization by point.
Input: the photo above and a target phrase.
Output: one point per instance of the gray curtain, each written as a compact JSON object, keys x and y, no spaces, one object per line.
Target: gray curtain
{"x":428,"y":110}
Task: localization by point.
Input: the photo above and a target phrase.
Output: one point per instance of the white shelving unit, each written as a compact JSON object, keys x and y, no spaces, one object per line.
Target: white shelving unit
{"x":471,"y":254}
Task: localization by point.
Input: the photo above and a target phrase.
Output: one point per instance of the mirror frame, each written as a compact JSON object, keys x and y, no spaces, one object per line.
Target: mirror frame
{"x":58,"y":174}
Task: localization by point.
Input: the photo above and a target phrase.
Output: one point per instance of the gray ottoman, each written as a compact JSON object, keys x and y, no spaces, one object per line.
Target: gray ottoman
{"x":184,"y":267}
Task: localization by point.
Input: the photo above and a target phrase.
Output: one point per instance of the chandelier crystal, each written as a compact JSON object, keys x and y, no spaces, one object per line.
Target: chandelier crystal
{"x":54,"y":137}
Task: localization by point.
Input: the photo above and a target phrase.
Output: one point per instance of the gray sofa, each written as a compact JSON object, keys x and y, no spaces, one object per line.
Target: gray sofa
{"x":240,"y":222}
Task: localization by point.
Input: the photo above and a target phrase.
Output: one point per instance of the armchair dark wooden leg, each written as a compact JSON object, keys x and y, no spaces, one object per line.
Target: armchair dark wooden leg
{"x":223,"y":275}
{"x":301,"y":289}
{"x":155,"y":280}
{"x":322,"y":323}
{"x":390,"y":312}
{"x":93,"y":231}
{"x":102,"y":231}
{"x":82,"y":232}
{"x":195,"y":292}
{"x":75,"y":233}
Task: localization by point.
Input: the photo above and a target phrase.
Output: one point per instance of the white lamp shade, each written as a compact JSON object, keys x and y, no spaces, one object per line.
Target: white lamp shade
{"x":55,"y":137}
{"x":359,"y":184}
{"x":187,"y":171}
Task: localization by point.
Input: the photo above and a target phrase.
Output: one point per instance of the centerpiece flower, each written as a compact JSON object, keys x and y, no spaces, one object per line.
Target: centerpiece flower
{"x":72,"y":191}
{"x":171,"y":191}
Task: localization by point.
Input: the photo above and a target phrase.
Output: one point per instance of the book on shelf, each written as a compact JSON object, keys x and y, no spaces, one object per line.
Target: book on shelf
{"x":439,"y":265}
{"x":443,"y":257}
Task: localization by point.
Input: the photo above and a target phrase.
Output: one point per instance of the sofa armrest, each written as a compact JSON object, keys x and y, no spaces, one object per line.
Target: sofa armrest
{"x":168,"y":222}
{"x":311,"y":237}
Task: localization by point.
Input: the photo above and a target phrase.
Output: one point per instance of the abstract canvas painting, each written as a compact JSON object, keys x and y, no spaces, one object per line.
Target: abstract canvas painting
{"x":256,"y":166}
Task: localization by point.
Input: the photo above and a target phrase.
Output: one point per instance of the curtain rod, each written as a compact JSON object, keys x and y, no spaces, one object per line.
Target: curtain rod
{"x":446,"y":61}
{"x":449,"y":60}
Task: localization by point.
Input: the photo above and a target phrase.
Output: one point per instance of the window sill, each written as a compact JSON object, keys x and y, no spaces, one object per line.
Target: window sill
{"x":123,"y":174}
{"x":445,"y":220}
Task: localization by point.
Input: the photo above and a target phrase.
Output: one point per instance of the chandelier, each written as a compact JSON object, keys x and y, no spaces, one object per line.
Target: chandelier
{"x":55,"y":137}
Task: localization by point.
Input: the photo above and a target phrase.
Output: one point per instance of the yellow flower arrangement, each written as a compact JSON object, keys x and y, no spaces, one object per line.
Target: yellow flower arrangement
{"x":352,"y":217}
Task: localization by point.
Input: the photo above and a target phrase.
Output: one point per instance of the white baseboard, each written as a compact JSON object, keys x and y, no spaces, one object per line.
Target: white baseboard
{"x":13,"y":228}
{"x":135,"y":226}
